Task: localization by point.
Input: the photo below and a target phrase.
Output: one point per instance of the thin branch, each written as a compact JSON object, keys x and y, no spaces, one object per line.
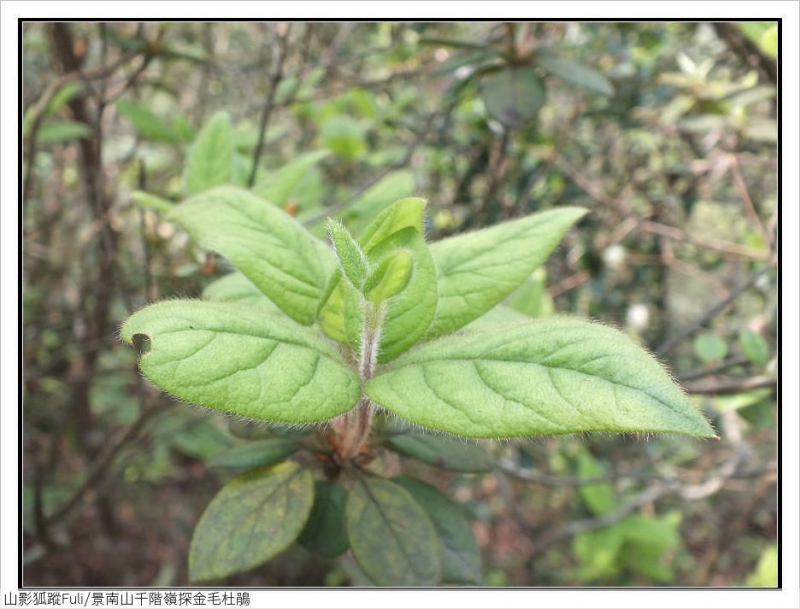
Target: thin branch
{"x":103,"y":462}
{"x":717,"y":308}
{"x":575,"y":527}
{"x":725,"y":247}
{"x":593,"y":189}
{"x":729,"y":363}
{"x":269,"y":103}
{"x":748,"y":203}
{"x":658,"y":490}
{"x":729,"y":386}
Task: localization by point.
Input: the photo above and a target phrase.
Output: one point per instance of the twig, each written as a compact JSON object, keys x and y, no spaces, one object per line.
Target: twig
{"x":593,"y":189}
{"x":717,"y":308}
{"x":729,"y":386}
{"x":748,"y":203}
{"x":569,"y":283}
{"x":589,"y":524}
{"x":103,"y":462}
{"x":734,"y":361}
{"x":527,"y":475}
{"x":659,"y":489}
{"x":269,"y":103}
{"x":714,"y":244}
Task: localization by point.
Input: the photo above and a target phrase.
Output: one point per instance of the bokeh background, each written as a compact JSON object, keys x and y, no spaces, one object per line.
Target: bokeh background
{"x":667,"y":132}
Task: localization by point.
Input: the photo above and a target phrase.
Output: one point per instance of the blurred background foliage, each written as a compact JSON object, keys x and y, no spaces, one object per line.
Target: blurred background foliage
{"x":667,"y":132}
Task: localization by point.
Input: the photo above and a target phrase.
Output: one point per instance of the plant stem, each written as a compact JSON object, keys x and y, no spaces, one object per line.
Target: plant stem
{"x":354,"y":426}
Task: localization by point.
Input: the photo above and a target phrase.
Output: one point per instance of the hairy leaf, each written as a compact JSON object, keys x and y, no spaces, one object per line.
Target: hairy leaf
{"x":478,"y":270}
{"x":235,"y":287}
{"x":549,"y":376}
{"x":391,"y":536}
{"x":410,"y":312}
{"x":390,"y":277}
{"x":352,"y":260}
{"x":461,"y":556}
{"x":272,"y":250}
{"x":242,"y":360}
{"x":401,"y":214}
{"x":252,"y":519}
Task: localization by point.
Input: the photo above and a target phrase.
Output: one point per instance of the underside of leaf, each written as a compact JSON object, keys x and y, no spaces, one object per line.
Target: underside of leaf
{"x":550,"y":376}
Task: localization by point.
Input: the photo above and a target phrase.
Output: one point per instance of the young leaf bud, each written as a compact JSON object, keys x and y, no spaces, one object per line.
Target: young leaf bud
{"x":352,"y":260}
{"x":390,"y":277}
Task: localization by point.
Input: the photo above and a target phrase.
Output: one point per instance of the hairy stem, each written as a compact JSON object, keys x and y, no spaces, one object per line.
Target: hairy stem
{"x":353,"y":427}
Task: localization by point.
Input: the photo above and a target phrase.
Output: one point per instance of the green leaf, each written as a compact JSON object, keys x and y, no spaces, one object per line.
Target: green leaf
{"x":401,"y":214}
{"x":598,"y":551}
{"x":210,"y":158}
{"x":768,"y":43}
{"x":710,"y":347}
{"x":332,"y":314}
{"x":341,"y":316}
{"x":64,"y":95}
{"x":576,"y":74}
{"x":325,"y":530}
{"x":409,"y":313}
{"x":442,"y":451}
{"x":461,"y":556}
{"x":352,"y":260}
{"x":532,"y":297}
{"x":151,"y":201}
{"x":278,"y":186}
{"x":478,"y":270}
{"x":344,"y":136}
{"x":743,"y":399}
{"x":252,"y":519}
{"x":599,"y":497}
{"x":366,"y":207}
{"x":754,"y":347}
{"x":202,"y":439}
{"x":649,"y":545}
{"x":255,"y":454}
{"x":235,"y":287}
{"x":513,"y":95}
{"x":391,"y":537}
{"x":390,"y":277}
{"x":148,"y":125}
{"x":549,"y":376}
{"x":766,"y":571}
{"x":267,"y":245}
{"x":63,"y":130}
{"x":242,"y":360}
{"x":500,"y":315}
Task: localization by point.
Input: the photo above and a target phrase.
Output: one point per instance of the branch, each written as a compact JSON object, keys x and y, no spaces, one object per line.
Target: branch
{"x":729,"y":386}
{"x":103,"y":462}
{"x":725,"y":247}
{"x":269,"y":103}
{"x":590,"y":524}
{"x":717,"y":308}
{"x":711,"y":370}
